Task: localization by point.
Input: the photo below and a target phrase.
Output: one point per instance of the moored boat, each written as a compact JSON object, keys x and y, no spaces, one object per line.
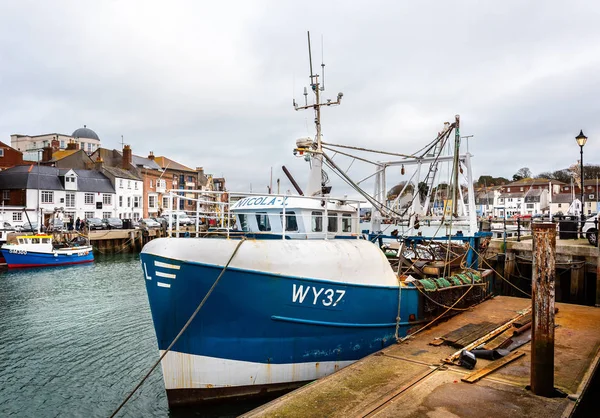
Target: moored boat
{"x":41,"y":251}
{"x":303,"y":295}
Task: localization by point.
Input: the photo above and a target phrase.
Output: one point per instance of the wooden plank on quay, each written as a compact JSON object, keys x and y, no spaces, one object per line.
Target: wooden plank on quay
{"x":493,"y":366}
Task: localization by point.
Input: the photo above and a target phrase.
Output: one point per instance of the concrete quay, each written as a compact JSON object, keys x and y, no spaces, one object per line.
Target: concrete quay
{"x":410,"y":380}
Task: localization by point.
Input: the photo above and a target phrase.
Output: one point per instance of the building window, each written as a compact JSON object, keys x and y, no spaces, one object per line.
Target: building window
{"x":152,"y":202}
{"x":62,"y":144}
{"x":89,"y":198}
{"x":521,"y":188}
{"x":106,"y":215}
{"x":559,"y":205}
{"x":17,"y":216}
{"x":87,"y":215}
{"x":508,"y":189}
{"x":107,"y":199}
{"x":190,"y":179}
{"x":128,"y":201}
{"x":47,"y":197}
{"x":150,"y":183}
{"x":165,"y":201}
{"x":135,"y":185}
{"x":120,"y":201}
{"x":136,"y":201}
{"x":70,"y":216}
{"x":120,"y":183}
{"x":70,"y":200}
{"x":129,"y":184}
{"x":70,"y":179}
{"x":89,"y":146}
{"x":82,"y":144}
{"x":5,"y":194}
{"x":1,"y":152}
{"x":136,"y":216}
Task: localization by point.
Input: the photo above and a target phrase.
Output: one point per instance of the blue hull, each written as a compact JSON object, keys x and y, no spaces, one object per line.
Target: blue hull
{"x":271,"y":319}
{"x":34,"y":259}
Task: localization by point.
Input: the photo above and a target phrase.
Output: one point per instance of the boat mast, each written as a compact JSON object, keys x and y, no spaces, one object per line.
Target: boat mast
{"x":455,"y":167}
{"x":315,"y":181}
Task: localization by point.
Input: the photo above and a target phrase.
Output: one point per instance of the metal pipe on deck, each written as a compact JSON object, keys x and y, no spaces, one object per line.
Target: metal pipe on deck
{"x":542,"y":297}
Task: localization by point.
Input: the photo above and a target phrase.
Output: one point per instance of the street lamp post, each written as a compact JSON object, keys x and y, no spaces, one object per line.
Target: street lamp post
{"x":581,"y":140}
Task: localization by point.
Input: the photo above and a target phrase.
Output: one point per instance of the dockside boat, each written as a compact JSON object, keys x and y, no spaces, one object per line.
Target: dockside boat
{"x":297,"y":291}
{"x":40,"y":251}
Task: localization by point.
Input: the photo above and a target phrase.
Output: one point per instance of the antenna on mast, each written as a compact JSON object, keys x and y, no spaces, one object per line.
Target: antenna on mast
{"x":322,"y":65}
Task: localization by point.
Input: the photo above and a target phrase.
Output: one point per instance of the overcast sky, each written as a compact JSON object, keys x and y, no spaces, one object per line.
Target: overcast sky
{"x":211,"y":83}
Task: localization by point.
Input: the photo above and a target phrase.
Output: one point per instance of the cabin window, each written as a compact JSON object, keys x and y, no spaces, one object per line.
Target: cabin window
{"x":346,"y":223}
{"x":35,"y":240}
{"x":317,"y":221}
{"x":243,"y":222}
{"x":290,"y":221}
{"x":262,"y":219}
{"x":332,"y":221}
{"x":21,"y":241}
{"x":17,"y":216}
{"x":45,"y":240}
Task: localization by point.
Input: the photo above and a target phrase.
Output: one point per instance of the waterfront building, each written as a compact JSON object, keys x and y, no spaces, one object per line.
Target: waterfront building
{"x":530,"y":202}
{"x":34,"y":192}
{"x":10,"y":157}
{"x":129,"y":189}
{"x":84,"y":138}
{"x":486,"y":200}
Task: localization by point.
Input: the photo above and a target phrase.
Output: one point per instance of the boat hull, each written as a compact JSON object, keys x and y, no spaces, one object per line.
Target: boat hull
{"x":24,"y":259}
{"x":266,"y":328}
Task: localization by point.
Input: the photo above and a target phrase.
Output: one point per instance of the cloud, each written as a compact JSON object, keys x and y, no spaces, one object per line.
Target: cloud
{"x":211,"y":83}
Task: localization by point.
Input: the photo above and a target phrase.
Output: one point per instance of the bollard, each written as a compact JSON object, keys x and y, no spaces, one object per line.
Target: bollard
{"x":542,"y":296}
{"x":518,"y":229}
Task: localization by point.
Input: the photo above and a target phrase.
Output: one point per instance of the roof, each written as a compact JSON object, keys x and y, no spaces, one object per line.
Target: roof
{"x":49,"y":178}
{"x":85,"y":133}
{"x":562,"y":198}
{"x":517,"y":195}
{"x":138,"y":161}
{"x":59,"y":155}
{"x":120,"y":173}
{"x":533,"y":182}
{"x":166,"y":163}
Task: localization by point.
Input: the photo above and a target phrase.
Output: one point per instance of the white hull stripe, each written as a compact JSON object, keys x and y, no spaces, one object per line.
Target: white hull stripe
{"x":161,"y":284}
{"x":166,"y":275}
{"x":146,"y":271}
{"x":166,"y":265}
{"x":186,"y":371}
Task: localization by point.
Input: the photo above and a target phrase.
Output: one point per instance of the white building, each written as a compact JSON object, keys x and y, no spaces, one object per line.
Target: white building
{"x":129,"y":190}
{"x":532,"y":202}
{"x":85,"y":138}
{"x":66,"y":192}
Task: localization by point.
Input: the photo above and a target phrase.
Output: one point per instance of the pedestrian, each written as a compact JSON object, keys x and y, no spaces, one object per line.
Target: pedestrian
{"x":82,"y":225}
{"x":77,"y":224}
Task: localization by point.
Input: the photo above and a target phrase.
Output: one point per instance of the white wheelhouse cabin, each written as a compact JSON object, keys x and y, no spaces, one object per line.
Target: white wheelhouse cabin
{"x":305,"y":217}
{"x":262,"y":216}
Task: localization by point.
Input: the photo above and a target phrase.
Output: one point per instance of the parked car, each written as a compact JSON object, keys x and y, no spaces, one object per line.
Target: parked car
{"x":56,"y":225}
{"x":113,"y":223}
{"x":95,"y":223}
{"x":30,"y":227}
{"x":164,"y":222}
{"x":149,"y":223}
{"x":590,"y":230}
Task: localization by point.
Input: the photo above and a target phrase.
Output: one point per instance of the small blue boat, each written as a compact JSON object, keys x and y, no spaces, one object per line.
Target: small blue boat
{"x":39,"y":251}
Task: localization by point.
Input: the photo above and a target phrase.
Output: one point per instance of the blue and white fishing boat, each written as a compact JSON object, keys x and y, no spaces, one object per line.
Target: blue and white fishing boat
{"x":303,"y":295}
{"x":40,"y":251}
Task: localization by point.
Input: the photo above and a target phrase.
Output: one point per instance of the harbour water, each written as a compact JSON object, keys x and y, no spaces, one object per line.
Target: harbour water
{"x":75,"y":340}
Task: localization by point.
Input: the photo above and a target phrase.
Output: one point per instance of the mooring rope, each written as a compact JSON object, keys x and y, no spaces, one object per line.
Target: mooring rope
{"x":187,"y":324}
